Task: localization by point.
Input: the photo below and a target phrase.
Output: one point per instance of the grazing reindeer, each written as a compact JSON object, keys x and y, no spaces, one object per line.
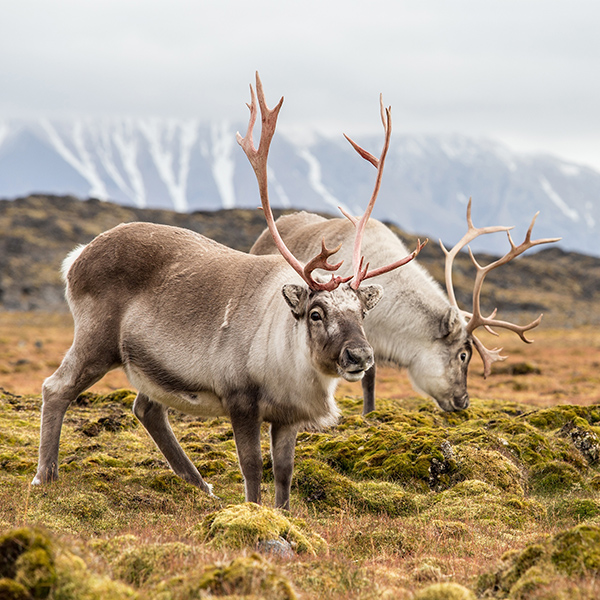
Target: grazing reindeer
{"x":211,"y":331}
{"x":415,"y":325}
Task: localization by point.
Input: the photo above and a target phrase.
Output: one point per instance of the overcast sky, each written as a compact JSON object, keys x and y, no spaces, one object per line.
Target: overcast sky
{"x":525,"y":72}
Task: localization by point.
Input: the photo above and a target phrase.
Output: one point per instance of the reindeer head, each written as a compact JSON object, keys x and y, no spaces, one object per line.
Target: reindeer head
{"x":332,"y":311}
{"x":458,"y":326}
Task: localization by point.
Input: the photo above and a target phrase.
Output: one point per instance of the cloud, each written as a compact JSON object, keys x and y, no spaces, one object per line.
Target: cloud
{"x":521,"y":72}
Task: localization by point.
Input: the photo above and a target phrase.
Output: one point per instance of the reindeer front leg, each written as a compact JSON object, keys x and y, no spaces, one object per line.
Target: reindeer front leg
{"x":246,"y":431}
{"x":154,"y":418}
{"x":283,"y":447}
{"x":368,"y":387}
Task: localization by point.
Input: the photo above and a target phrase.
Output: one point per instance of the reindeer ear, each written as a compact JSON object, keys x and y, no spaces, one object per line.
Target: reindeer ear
{"x":370,"y":295}
{"x":296,"y":296}
{"x":450,"y":325}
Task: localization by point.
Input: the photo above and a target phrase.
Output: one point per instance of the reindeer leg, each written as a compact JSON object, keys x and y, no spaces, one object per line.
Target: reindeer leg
{"x":246,"y":430}
{"x":81,"y":368}
{"x":283,"y":447}
{"x":368,"y":387}
{"x":154,"y":418}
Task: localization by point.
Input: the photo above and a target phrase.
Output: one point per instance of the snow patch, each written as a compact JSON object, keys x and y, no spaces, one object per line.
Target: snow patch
{"x":223,"y":165}
{"x":278,"y":189}
{"x":589,"y":219}
{"x":570,"y":170}
{"x":558,"y":201}
{"x":82,"y":162}
{"x":314,"y":178}
{"x":506,"y":157}
{"x":164,"y":157}
{"x":125,"y":141}
{"x":3,"y":132}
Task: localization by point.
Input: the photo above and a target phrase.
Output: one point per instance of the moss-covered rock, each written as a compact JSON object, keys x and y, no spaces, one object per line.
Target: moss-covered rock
{"x":574,"y":552}
{"x":477,"y":501}
{"x":75,"y":581}
{"x":35,"y":570}
{"x":245,"y":525}
{"x":27,"y":559}
{"x":33,"y":567}
{"x":445,"y":591}
{"x":246,"y":577}
{"x":554,"y":477}
{"x":11,"y":590}
{"x":139,"y":563}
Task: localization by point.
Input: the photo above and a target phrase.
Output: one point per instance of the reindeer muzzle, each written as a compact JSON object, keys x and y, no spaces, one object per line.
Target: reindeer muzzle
{"x":355,"y":360}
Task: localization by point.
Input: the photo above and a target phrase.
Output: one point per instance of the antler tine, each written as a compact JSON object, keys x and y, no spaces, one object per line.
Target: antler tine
{"x":361,"y":273}
{"x":320,"y":262}
{"x":477,"y":319}
{"x":258,"y":160}
{"x":472,"y":233}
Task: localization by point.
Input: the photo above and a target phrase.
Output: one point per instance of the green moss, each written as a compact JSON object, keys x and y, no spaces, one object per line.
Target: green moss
{"x":490,"y":466}
{"x":576,"y":509}
{"x":246,"y":577}
{"x":376,"y":540}
{"x":87,"y":506}
{"x":554,"y":477}
{"x":18,"y":541}
{"x":35,"y":570}
{"x":326,"y":489}
{"x":451,"y":529}
{"x":123,"y":396}
{"x":477,"y":501}
{"x":574,"y":552}
{"x":319,"y":484}
{"x":76,"y":582}
{"x":136,"y":565}
{"x":381,"y":497}
{"x":246,"y":525}
{"x":558,"y":416}
{"x":444,"y":591}
{"x":577,"y":551}
{"x":11,"y":590}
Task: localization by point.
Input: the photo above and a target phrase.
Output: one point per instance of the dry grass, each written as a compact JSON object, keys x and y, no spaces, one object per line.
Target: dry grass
{"x":116,"y":484}
{"x":33,"y":344}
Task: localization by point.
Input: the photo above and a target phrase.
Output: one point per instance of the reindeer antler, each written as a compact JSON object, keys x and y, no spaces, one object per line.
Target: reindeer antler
{"x":258,"y":160}
{"x":360,"y":273}
{"x":476,"y":319}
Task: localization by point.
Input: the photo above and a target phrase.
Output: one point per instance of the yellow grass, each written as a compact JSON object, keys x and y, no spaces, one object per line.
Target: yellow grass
{"x":33,"y":344}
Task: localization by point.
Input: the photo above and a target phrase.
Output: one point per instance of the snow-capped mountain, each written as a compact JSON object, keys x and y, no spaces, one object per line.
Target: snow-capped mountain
{"x":186,"y":165}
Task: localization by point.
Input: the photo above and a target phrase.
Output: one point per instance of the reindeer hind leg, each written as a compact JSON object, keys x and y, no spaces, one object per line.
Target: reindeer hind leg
{"x":83,"y":365}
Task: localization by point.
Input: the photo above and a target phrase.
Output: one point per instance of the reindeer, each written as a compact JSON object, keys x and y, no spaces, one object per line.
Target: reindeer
{"x":415,"y":325}
{"x":211,"y":331}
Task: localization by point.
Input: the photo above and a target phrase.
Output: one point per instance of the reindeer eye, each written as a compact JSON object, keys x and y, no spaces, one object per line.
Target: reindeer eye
{"x":463,"y":356}
{"x":315,"y":315}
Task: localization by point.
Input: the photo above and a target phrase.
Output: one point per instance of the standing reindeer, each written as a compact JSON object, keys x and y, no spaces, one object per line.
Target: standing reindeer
{"x":211,"y":331}
{"x":415,"y":325}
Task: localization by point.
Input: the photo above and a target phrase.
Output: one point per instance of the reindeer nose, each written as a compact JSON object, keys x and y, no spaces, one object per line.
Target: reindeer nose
{"x":461,"y":402}
{"x":359,"y":358}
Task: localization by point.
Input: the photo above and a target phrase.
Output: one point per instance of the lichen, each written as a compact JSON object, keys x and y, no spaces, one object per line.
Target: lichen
{"x":245,"y":525}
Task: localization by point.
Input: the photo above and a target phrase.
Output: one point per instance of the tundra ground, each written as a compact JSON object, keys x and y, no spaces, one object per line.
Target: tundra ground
{"x":499,"y":501}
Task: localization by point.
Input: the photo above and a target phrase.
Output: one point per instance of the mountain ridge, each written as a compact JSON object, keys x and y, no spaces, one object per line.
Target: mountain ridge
{"x":38,"y":232}
{"x":189,"y":165}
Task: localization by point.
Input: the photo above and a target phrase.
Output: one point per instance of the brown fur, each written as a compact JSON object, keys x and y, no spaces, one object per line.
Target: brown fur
{"x":414,"y":325}
{"x":209,"y":331}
